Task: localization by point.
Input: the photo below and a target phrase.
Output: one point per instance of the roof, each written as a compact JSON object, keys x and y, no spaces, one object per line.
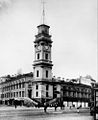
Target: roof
{"x":11,"y":78}
{"x":43,"y":25}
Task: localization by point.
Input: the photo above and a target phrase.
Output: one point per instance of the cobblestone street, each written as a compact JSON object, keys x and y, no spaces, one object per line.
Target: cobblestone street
{"x":22,"y":113}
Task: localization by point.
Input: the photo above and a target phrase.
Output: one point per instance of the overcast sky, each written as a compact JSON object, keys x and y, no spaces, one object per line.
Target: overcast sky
{"x":73,"y":26}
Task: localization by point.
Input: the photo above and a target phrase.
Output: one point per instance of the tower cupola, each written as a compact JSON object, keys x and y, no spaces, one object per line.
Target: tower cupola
{"x":43,"y":34}
{"x":43,"y":29}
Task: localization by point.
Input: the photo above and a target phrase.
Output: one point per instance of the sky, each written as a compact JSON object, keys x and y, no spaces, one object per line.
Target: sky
{"x":73,"y":26}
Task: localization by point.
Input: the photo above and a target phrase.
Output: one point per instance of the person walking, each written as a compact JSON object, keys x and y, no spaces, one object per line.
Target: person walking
{"x":55,"y":107}
{"x":45,"y":109}
{"x":78,"y":110}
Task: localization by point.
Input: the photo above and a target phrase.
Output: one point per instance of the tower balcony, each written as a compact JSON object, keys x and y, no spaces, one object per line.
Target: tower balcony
{"x":43,"y":37}
{"x":43,"y":62}
{"x":43,"y":34}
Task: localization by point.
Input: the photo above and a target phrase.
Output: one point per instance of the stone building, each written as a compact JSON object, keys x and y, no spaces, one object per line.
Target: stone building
{"x":40,"y":86}
{"x":72,"y":94}
{"x":15,"y":87}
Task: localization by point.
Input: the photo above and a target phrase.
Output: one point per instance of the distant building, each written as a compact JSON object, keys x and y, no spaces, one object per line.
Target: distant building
{"x":88,"y":80}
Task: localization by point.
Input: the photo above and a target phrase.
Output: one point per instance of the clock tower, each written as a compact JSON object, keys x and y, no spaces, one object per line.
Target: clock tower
{"x":42,"y":64}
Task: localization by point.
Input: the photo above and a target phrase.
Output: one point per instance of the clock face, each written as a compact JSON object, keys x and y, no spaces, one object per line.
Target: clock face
{"x":46,"y":47}
{"x":38,"y":47}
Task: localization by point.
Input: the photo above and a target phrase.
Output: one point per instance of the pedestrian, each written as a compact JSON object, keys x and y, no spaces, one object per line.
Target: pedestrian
{"x":55,"y":107}
{"x":15,"y":104}
{"x":78,"y":110}
{"x":45,"y":109}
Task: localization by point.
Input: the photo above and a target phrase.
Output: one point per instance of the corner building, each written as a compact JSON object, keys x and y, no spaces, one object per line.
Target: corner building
{"x":40,"y":87}
{"x":43,"y":89}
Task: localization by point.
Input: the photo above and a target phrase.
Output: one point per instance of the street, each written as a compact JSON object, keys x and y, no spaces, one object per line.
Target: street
{"x":10,"y":113}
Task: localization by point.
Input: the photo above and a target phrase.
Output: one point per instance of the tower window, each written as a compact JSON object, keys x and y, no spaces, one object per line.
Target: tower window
{"x":36,"y":87}
{"x":47,"y":95}
{"x":36,"y":94}
{"x":37,"y":73}
{"x":22,"y":93}
{"x":38,"y":56}
{"x":47,"y":87}
{"x":46,"y":56}
{"x":46,"y":73}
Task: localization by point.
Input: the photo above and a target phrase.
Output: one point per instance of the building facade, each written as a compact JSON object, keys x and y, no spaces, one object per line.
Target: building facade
{"x":72,"y":94}
{"x":15,"y":88}
{"x":40,"y":86}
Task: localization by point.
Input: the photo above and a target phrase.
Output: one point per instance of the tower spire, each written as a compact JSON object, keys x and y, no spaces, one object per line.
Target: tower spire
{"x":43,"y":11}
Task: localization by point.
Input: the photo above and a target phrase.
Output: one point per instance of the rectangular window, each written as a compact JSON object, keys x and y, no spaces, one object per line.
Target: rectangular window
{"x":69,"y":93}
{"x":37,"y":73}
{"x":38,"y":56}
{"x":47,"y":94}
{"x":11,"y":87}
{"x":23,"y":85}
{"x":22,"y":93}
{"x":46,"y":73}
{"x":14,"y":94}
{"x":11,"y":95}
{"x":16,"y":86}
{"x":5,"y":95}
{"x":36,"y":87}
{"x":19,"y":85}
{"x":46,"y":56}
{"x":47,"y":87}
{"x":6,"y":88}
{"x":36,"y":94}
{"x":17,"y":94}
